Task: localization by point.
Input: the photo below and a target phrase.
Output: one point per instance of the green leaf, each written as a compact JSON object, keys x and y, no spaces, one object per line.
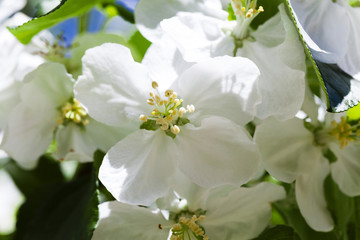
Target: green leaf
{"x":68,"y":210}
{"x":66,"y":9}
{"x":138,"y":46}
{"x":280,"y":232}
{"x":122,"y":11}
{"x":7,"y":237}
{"x":338,"y":86}
{"x":47,"y":173}
{"x":354,"y":113}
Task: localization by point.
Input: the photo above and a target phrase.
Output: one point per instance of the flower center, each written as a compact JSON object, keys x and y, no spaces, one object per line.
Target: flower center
{"x":168,"y":114}
{"x":245,"y":11}
{"x":344,"y":132}
{"x":188,"y":227}
{"x":72,"y":111}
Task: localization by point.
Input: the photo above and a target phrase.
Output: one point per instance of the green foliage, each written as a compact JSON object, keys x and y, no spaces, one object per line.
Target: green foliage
{"x":280,"y":232}
{"x":66,"y":9}
{"x":341,"y":208}
{"x":289,"y":209}
{"x":55,"y":208}
{"x":47,"y":173}
{"x":138,"y":46}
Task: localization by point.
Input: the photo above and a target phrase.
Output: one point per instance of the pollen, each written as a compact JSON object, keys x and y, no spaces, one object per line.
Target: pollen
{"x":344,"y":132}
{"x":186,"y":225}
{"x":168,"y":112}
{"x":72,"y":111}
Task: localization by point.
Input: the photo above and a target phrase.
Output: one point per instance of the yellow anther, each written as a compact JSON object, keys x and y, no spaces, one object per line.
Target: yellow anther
{"x":177,"y":227}
{"x":143,"y":118}
{"x":169,"y":118}
{"x":182,"y":110}
{"x":173,"y":95}
{"x":154,"y":85}
{"x":168,"y":93}
{"x":164,"y":126}
{"x":261,"y":9}
{"x":157,"y":98}
{"x":152,"y":94}
{"x":190,"y":108}
{"x":150,"y":102}
{"x":202,"y":217}
{"x":175,"y":129}
{"x":72,"y":111}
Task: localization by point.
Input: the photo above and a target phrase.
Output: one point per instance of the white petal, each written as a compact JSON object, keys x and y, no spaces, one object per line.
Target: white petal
{"x":332,"y":22}
{"x":148,"y":14}
{"x":137,"y":169}
{"x":126,"y":222}
{"x":350,"y":62}
{"x":165,"y":62}
{"x":194,"y":34}
{"x":73,"y":144}
{"x":241,"y":214}
{"x":346,"y":170}
{"x":282,"y":79}
{"x":287,"y":148}
{"x":222,"y":86}
{"x":310,"y":195}
{"x":113,"y":86}
{"x":217,"y":152}
{"x":32,"y":122}
{"x":9,"y":7}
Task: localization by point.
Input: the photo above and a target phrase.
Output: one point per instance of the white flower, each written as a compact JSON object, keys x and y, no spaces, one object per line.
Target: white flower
{"x":201,"y":137}
{"x":148,"y":14}
{"x":274,"y":47}
{"x":334,"y":37}
{"x":47,"y":105}
{"x":225,"y":212}
{"x":293,"y":152}
{"x":16,"y":61}
{"x":9,"y":7}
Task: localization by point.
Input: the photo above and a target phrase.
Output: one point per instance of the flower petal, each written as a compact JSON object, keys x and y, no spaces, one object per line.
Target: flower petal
{"x":32,"y":122}
{"x":113,"y":86}
{"x":137,"y":169}
{"x":148,"y":14}
{"x":126,"y":222}
{"x":194,"y":34}
{"x":217,"y":152}
{"x":282,"y":83}
{"x":310,"y":195}
{"x":165,"y":64}
{"x":346,"y":170}
{"x":287,"y":148}
{"x":222,"y":86}
{"x":324,"y":40}
{"x":241,"y":214}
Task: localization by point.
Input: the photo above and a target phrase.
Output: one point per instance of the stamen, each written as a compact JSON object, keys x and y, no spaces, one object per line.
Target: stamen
{"x":188,"y":224}
{"x":344,"y":132}
{"x":72,"y":111}
{"x":168,"y":114}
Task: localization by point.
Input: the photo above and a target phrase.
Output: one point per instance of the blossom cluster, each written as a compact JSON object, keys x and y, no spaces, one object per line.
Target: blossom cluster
{"x":217,"y":123}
